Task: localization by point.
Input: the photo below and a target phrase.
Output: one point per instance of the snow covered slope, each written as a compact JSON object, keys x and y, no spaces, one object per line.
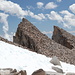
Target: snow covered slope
{"x":22,"y":59}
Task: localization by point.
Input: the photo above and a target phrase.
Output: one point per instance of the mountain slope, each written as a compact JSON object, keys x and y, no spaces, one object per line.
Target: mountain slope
{"x":22,"y":59}
{"x":29,"y":36}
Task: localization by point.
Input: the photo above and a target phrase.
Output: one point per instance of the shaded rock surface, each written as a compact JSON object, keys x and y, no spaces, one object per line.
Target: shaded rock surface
{"x":29,"y":36}
{"x":10,"y":42}
{"x":63,"y":37}
{"x":39,"y":72}
{"x":57,"y":69}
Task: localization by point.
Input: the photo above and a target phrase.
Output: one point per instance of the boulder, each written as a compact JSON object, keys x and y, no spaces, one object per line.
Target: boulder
{"x":39,"y":72}
{"x":10,"y":69}
{"x":53,"y":73}
{"x":55,"y":61}
{"x":63,"y":37}
{"x":4,"y":72}
{"x":69,"y":73}
{"x":57,"y":69}
{"x":23,"y":72}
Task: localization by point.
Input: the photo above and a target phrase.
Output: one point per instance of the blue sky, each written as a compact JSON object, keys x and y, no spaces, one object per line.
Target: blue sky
{"x":44,"y":14}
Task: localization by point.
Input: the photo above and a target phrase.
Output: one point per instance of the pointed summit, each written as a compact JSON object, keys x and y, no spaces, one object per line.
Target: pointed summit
{"x":24,"y":20}
{"x":63,"y":37}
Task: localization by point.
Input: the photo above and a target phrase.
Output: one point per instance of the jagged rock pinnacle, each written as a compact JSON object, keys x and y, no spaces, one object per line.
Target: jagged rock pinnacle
{"x":24,"y":20}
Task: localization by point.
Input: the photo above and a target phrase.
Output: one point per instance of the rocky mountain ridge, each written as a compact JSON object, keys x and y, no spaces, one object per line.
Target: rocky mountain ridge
{"x":29,"y":36}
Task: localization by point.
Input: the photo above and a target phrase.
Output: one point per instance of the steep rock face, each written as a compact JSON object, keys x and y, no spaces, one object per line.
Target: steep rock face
{"x":64,"y":38}
{"x":28,"y":35}
{"x":25,"y":35}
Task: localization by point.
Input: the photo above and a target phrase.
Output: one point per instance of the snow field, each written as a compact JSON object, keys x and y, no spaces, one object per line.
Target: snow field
{"x":22,"y":59}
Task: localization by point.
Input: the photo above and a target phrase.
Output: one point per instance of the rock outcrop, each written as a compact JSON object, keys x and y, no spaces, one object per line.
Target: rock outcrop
{"x":29,"y":36}
{"x":63,"y":37}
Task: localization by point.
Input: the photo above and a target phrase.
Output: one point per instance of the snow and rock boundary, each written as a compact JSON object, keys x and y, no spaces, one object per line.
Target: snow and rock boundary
{"x":15,"y":57}
{"x":12,"y":43}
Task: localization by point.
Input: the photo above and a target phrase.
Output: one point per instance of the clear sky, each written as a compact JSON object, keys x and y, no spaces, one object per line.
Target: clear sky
{"x":44,"y":14}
